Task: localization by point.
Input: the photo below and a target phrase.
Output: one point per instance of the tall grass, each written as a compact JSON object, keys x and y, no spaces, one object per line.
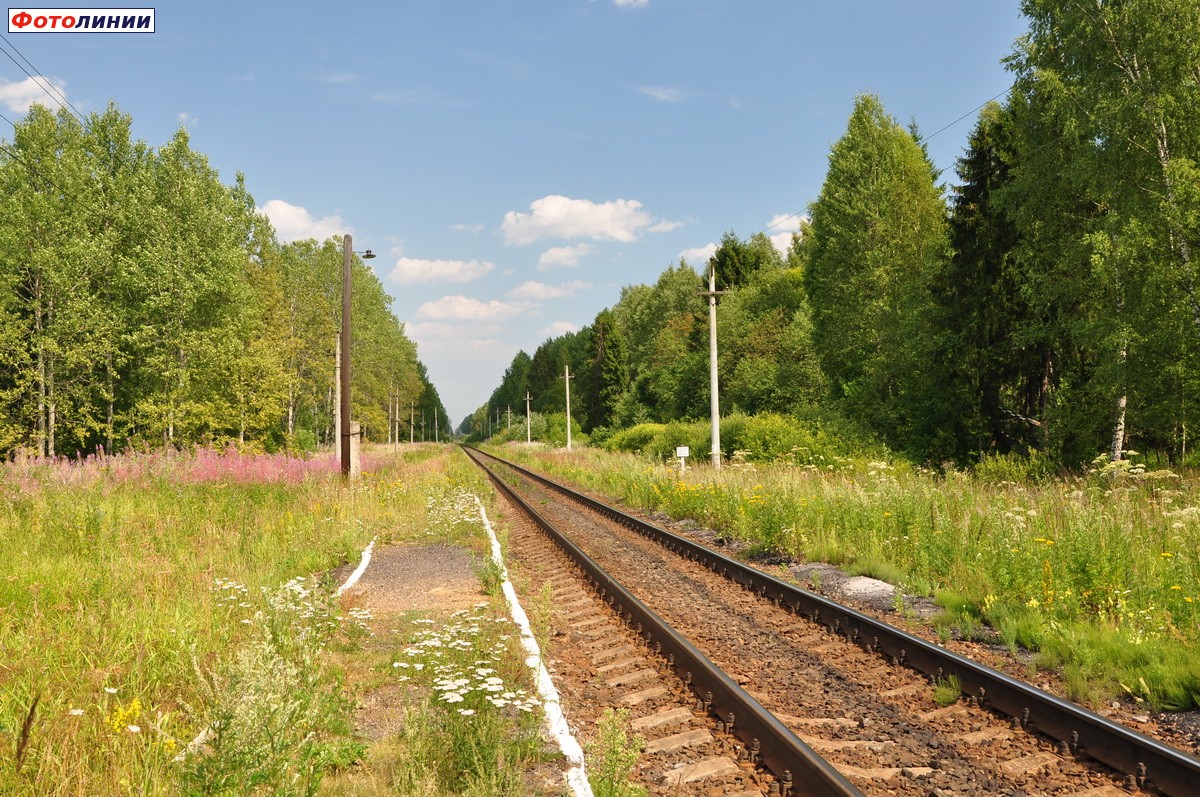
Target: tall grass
{"x":1098,"y":572}
{"x":117,"y":615}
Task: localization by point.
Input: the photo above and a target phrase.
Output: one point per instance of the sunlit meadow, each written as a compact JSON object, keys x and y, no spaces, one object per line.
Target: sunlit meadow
{"x":1097,"y":573}
{"x":147,"y":600}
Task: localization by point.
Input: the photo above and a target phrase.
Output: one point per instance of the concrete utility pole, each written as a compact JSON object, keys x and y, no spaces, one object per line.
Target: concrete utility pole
{"x":712,"y":294}
{"x":412,"y":421}
{"x":436,"y":437}
{"x":567,"y":377}
{"x":528,"y":438}
{"x":509,"y":413}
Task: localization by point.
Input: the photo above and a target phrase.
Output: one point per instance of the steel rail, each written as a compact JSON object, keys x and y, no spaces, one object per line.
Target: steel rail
{"x":1147,"y":763}
{"x":792,"y":761}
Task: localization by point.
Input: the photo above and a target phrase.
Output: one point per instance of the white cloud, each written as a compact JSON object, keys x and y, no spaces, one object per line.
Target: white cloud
{"x":557,"y":216}
{"x":429,"y":331}
{"x":631,"y":3}
{"x":699,"y":255}
{"x":785,"y":221}
{"x":540,"y":290}
{"x":667,"y":226}
{"x":186,"y":119}
{"x":563,"y":256}
{"x":558,"y":328}
{"x":782,"y":242}
{"x":662,"y":93}
{"x":472,"y":228}
{"x":474,"y":342}
{"x":294,"y":223}
{"x":460,"y":308}
{"x":20,"y":97}
{"x":785,"y":224}
{"x":414,"y":269}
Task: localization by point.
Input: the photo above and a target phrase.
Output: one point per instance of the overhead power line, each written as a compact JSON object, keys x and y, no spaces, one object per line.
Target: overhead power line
{"x":52,"y":91}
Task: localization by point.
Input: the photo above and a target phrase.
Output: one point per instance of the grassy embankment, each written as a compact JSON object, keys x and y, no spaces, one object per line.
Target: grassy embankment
{"x":1097,"y":574}
{"x":146,"y":599}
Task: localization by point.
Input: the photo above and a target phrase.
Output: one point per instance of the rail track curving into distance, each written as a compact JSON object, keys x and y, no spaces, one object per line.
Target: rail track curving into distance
{"x":829,"y":700}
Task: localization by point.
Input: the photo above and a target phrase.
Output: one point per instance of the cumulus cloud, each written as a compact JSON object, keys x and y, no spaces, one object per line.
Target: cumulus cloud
{"x":294,"y":223}
{"x":784,"y":225}
{"x":557,"y":216}
{"x":20,"y":97}
{"x":558,"y":328}
{"x":474,"y":342}
{"x":699,"y":255}
{"x":540,"y":290}
{"x":422,"y":331}
{"x":461,"y":308}
{"x":631,"y":3}
{"x":563,"y":256}
{"x":413,"y":269}
{"x":662,"y":93}
{"x":667,"y":226}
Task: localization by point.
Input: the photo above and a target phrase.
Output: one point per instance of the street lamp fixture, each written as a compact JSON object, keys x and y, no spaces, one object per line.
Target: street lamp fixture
{"x":344,"y":432}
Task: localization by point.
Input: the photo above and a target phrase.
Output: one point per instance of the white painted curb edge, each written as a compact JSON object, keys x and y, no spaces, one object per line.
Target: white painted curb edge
{"x":555,"y":720}
{"x":362,"y":568}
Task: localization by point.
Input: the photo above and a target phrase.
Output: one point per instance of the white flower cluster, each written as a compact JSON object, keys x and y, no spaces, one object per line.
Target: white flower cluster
{"x":231,"y":592}
{"x":449,"y":510}
{"x":476,"y":683}
{"x":361,"y":619}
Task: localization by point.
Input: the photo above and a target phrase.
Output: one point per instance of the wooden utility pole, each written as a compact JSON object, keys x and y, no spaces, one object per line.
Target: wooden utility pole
{"x":344,"y":403}
{"x":337,"y":397}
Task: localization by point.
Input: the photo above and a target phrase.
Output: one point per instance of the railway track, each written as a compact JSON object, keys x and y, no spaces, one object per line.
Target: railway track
{"x":757,"y":686}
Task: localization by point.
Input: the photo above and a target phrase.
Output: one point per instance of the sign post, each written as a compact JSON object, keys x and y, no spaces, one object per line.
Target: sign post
{"x":682,"y":452}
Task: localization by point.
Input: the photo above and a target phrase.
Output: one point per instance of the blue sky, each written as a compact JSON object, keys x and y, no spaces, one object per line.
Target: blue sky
{"x":515,"y":164}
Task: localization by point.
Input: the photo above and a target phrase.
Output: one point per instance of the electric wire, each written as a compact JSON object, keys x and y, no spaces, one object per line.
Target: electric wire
{"x":42,"y":81}
{"x":920,"y":140}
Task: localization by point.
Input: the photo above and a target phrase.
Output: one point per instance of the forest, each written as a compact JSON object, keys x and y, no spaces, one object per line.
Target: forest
{"x":1042,"y":302}
{"x":144,"y":303}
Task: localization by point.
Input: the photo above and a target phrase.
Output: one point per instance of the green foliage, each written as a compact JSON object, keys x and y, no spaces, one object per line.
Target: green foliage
{"x":1014,"y":469}
{"x":144,"y":302}
{"x":947,"y":691}
{"x":275,"y":719}
{"x":612,"y":755}
{"x":878,"y":237}
{"x":1105,"y":130}
{"x":635,"y":438}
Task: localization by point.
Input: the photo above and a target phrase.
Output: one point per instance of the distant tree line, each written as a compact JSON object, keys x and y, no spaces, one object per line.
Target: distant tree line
{"x":1047,"y":303}
{"x":144,"y":302}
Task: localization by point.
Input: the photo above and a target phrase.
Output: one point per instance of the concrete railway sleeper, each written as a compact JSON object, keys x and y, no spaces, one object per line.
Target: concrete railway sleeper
{"x":1067,"y":766}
